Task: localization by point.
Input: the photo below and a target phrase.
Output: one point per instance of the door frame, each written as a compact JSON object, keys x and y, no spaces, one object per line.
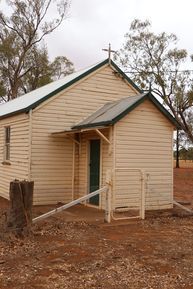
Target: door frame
{"x":88,"y":169}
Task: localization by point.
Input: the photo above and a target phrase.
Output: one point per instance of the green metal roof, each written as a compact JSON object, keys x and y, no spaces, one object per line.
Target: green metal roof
{"x":112,"y":112}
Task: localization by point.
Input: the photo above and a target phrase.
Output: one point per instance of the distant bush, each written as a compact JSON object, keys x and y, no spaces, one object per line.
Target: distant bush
{"x":185,"y":154}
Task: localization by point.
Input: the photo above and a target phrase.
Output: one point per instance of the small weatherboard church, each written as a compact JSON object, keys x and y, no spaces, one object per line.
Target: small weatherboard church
{"x":67,"y":135}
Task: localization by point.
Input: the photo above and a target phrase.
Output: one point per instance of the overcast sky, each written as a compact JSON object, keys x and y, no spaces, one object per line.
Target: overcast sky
{"x":92,"y":24}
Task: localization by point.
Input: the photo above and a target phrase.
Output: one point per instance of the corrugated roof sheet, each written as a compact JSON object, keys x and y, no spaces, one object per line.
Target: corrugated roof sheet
{"x":109,"y":111}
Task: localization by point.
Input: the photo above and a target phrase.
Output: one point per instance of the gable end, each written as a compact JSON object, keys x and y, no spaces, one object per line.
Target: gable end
{"x":68,"y":84}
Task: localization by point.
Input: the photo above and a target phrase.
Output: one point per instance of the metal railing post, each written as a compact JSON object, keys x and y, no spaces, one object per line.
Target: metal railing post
{"x":142,"y":195}
{"x":108,"y":205}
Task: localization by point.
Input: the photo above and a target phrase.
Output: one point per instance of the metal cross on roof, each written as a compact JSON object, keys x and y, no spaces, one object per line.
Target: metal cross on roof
{"x":109,"y":50}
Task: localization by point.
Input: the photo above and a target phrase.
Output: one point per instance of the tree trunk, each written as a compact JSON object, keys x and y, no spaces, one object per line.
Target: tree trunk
{"x":21,"y":200}
{"x":177,"y":149}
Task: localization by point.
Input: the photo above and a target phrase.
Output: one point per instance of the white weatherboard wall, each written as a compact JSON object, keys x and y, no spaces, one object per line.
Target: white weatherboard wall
{"x":52,"y":160}
{"x":19,"y":151}
{"x":144,"y":140}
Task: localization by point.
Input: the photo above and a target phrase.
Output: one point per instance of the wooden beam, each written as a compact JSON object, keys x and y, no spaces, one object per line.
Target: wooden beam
{"x":102,"y":136}
{"x":73,"y":139}
{"x":92,"y":128}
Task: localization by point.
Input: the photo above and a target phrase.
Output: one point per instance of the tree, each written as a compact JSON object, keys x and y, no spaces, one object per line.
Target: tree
{"x":20,"y":35}
{"x":154,"y":61}
{"x":40,"y":71}
{"x":61,"y":67}
{"x":185,"y":153}
{"x":180,"y":142}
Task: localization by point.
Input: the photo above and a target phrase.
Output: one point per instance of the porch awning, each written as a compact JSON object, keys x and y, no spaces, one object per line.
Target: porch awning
{"x":103,"y":117}
{"x":112,"y":112}
{"x":72,"y":131}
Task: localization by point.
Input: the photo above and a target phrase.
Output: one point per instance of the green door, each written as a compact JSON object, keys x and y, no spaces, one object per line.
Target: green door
{"x":94,"y":172}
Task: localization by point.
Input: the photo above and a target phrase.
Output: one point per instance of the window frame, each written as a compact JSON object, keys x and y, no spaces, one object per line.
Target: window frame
{"x":7,"y":143}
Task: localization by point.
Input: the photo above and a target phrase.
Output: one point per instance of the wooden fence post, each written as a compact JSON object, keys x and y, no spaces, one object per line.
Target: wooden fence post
{"x":21,"y":201}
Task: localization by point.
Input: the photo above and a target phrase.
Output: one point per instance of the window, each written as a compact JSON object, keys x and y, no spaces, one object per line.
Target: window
{"x":7,"y":143}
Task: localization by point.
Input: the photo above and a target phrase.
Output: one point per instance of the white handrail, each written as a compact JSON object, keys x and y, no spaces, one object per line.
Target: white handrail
{"x":73,"y":203}
{"x":190,"y":211}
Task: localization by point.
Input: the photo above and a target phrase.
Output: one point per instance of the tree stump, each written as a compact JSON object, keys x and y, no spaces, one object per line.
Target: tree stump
{"x":21,"y":201}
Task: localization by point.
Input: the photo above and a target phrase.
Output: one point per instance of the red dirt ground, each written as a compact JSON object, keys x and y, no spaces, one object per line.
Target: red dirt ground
{"x":76,"y":251}
{"x":183,"y":184}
